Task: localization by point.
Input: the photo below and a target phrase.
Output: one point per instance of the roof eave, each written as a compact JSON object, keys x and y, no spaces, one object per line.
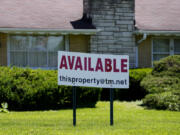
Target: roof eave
{"x":49,"y":31}
{"x":157,"y":33}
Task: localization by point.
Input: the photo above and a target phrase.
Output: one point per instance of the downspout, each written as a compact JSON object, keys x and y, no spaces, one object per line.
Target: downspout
{"x":144,"y":38}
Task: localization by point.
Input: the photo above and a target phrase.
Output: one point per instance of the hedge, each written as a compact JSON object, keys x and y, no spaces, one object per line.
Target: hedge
{"x":163,"y":101}
{"x":135,"y":91}
{"x":27,"y":89}
{"x":163,"y":85}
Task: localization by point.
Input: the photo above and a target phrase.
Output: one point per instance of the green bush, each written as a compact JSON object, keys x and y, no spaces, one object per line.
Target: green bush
{"x":169,"y":66}
{"x":27,"y":89}
{"x":135,"y":91}
{"x":155,"y":84}
{"x":163,"y":85}
{"x":164,"y":100}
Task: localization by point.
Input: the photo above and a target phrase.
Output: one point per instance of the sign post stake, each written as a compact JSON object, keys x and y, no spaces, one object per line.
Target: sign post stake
{"x":74,"y":106}
{"x":111,"y":106}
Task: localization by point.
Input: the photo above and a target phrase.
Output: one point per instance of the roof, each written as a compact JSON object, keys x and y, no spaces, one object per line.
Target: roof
{"x":157,"y":15}
{"x":40,"y":14}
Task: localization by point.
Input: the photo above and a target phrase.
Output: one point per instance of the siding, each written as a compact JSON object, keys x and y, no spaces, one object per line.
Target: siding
{"x":79,"y":43}
{"x":3,"y":50}
{"x":144,"y":53}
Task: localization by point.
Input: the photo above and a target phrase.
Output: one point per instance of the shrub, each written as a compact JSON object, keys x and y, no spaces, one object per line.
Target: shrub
{"x":27,"y":89}
{"x":169,"y":66}
{"x":135,"y":91}
{"x":153,"y":84}
{"x":163,"y":85}
{"x":164,"y":100}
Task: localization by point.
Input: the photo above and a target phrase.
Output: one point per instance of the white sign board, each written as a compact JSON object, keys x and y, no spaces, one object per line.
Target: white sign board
{"x":93,"y":70}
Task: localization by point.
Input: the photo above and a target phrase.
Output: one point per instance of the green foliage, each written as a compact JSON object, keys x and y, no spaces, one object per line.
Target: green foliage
{"x":155,"y":84}
{"x":4,"y":107}
{"x":163,"y":85}
{"x":164,"y":100}
{"x":27,"y":89}
{"x":135,"y":91}
{"x":169,"y":66}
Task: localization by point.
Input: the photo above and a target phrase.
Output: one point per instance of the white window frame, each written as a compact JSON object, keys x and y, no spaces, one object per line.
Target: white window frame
{"x":171,"y":46}
{"x":174,"y":47}
{"x":66,"y":40}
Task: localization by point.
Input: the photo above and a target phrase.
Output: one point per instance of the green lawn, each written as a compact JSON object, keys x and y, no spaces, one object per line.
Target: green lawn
{"x":129,"y":119}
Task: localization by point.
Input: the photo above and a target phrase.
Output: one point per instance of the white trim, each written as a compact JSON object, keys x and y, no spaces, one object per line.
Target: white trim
{"x":177,"y":53}
{"x":66,"y":37}
{"x":66,"y":44}
{"x":157,"y":33}
{"x":8,"y":52}
{"x":50,"y":31}
{"x":30,"y":44}
{"x":160,"y":53}
{"x":137,"y":57}
{"x":152,"y":63}
{"x":171,"y":46}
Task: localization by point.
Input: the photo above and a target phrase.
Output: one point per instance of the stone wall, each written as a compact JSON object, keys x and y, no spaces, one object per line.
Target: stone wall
{"x":116,"y":20}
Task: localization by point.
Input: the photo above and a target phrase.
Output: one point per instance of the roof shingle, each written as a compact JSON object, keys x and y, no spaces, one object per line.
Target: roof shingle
{"x":158,"y":15}
{"x":40,"y":14}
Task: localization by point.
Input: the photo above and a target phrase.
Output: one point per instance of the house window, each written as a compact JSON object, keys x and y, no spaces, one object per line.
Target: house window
{"x":177,"y":46}
{"x":164,"y":47}
{"x":35,"y":51}
{"x":160,"y":48}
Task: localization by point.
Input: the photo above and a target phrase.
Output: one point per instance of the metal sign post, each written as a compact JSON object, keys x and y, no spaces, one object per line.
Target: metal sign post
{"x":74,"y":106}
{"x":111,"y":106}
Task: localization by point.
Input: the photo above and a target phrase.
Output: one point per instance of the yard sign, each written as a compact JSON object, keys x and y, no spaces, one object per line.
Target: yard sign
{"x":93,"y":70}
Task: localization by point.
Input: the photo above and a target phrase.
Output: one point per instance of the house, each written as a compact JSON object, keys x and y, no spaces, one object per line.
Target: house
{"x":157,"y":29}
{"x":31,"y":32}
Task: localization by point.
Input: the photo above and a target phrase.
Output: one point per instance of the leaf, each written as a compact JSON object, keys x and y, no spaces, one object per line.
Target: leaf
{"x":4,"y":105}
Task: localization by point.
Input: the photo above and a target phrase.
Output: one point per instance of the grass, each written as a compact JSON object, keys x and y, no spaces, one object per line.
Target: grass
{"x":129,"y":119}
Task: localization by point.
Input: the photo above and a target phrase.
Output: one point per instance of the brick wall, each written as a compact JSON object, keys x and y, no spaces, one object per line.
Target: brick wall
{"x":116,"y":20}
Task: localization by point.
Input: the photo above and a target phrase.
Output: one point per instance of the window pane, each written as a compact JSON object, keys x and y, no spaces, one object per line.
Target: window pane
{"x":37,"y":59}
{"x":35,"y":51}
{"x":18,"y":59}
{"x":18,"y":43}
{"x":161,"y":45}
{"x":38,"y":43}
{"x":18,"y":50}
{"x":54,"y":45}
{"x":157,"y":57}
{"x":38,"y":51}
{"x":53,"y":59}
{"x":177,"y":46}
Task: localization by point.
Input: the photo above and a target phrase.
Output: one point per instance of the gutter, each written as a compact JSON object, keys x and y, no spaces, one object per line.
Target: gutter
{"x":50,"y":31}
{"x":157,"y":33}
